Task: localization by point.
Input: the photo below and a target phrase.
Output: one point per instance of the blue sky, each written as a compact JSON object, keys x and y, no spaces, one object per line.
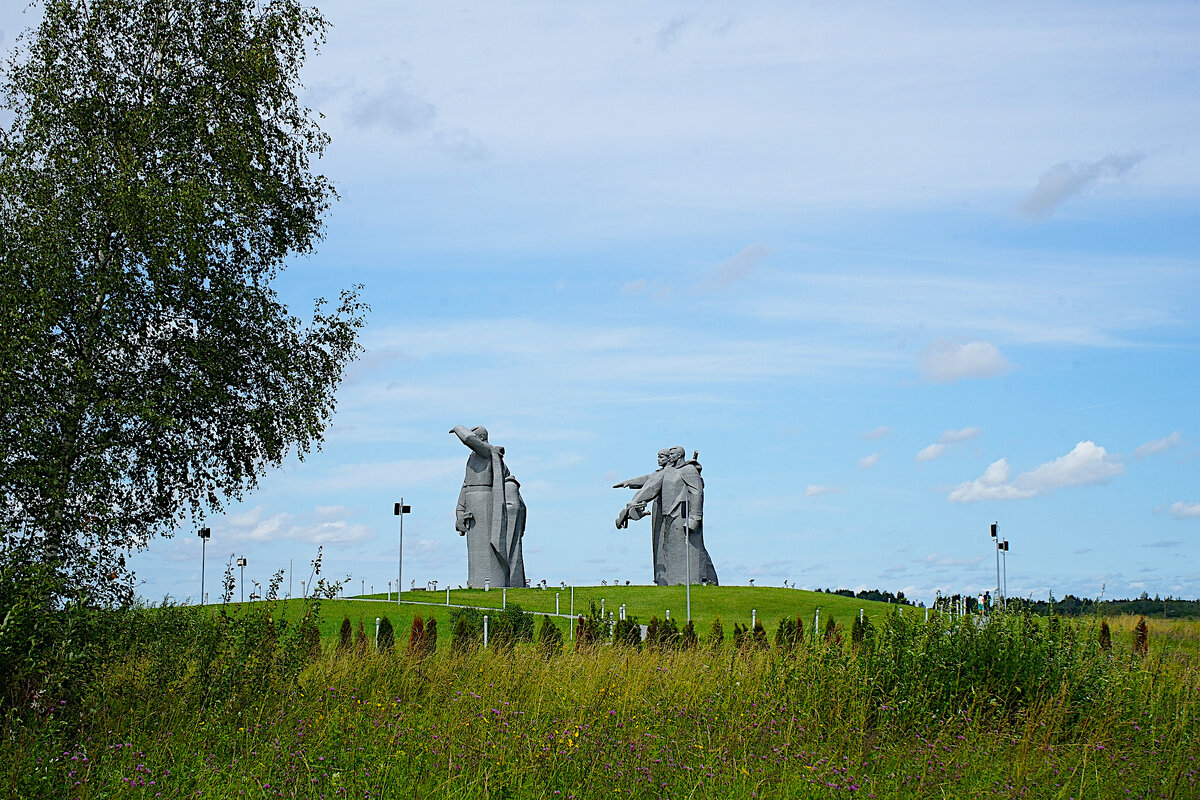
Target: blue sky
{"x":895,"y":274}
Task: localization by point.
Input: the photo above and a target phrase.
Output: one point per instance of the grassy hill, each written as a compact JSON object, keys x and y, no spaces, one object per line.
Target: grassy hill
{"x":731,"y":603}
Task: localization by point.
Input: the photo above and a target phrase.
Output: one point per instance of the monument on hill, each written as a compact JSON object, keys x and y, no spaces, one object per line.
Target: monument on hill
{"x":490,"y":513}
{"x":676,"y":491}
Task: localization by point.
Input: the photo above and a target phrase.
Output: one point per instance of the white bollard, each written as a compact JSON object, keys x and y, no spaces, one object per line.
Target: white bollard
{"x":487,"y":585}
{"x":860,"y":616}
{"x":447,"y":595}
{"x":556,"y":604}
{"x":485,"y":631}
{"x":817,"y":623}
{"x":504,"y":597}
{"x":927,"y":614}
{"x":668,"y":613}
{"x":753,"y":617}
{"x":377,"y":621}
{"x":601,"y":606}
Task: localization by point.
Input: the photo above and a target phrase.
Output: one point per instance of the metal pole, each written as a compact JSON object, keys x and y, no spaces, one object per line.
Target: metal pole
{"x":504,"y":597}
{"x":571,"y":627}
{"x":447,"y":595}
{"x":485,"y":631}
{"x":203,"y":553}
{"x":400,"y":557}
{"x":997,"y":543}
{"x":687,"y":555}
{"x":556,"y":604}
{"x":377,"y":621}
{"x":1006,"y":573}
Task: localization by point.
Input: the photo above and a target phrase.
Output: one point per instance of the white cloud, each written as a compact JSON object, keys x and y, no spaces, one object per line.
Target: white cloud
{"x":945,"y":361}
{"x":638,"y":286}
{"x":930,"y":452}
{"x":1069,"y":178}
{"x":877,"y":433}
{"x":1156,"y":446}
{"x":328,"y":525}
{"x":992,"y":485}
{"x":814,"y":490}
{"x":935,"y":560}
{"x":1087,"y":463}
{"x":1181,"y":510}
{"x":737,"y":268}
{"x":963,"y":435}
{"x":866,"y":462}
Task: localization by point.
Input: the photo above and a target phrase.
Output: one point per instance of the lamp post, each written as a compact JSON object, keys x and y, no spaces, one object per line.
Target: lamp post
{"x":996,"y":541}
{"x":400,"y":510}
{"x":241,"y":562}
{"x":205,"y":534}
{"x":1004,"y":550}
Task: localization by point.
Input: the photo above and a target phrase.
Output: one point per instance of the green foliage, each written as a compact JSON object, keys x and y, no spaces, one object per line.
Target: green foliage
{"x":1105,"y":637}
{"x":549,"y":638}
{"x":464,"y":636}
{"x":345,"y":636}
{"x":509,"y":626}
{"x":687,"y":637}
{"x":154,"y":178}
{"x":628,"y":633}
{"x":759,"y":635}
{"x":861,"y":630}
{"x":385,"y":642}
{"x":716,"y":634}
{"x":789,"y":635}
{"x":1141,"y":638}
{"x":589,"y":630}
{"x":431,"y":636}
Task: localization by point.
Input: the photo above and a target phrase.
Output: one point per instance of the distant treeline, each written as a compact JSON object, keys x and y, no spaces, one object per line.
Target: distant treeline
{"x":1072,"y":606}
{"x":1069,"y":606}
{"x":871,"y":594}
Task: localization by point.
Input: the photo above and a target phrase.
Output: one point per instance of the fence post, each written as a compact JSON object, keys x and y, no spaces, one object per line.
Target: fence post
{"x":753,"y":617}
{"x":817,"y":623}
{"x":504,"y":598}
{"x":377,"y":621}
{"x":556,"y":604}
{"x":485,"y":631}
{"x":447,"y":595}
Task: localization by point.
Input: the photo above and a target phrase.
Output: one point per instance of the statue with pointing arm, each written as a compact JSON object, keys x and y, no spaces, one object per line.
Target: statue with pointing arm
{"x":675,"y":494}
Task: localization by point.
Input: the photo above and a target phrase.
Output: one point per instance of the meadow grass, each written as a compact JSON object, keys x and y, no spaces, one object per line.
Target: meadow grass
{"x":240,"y":707}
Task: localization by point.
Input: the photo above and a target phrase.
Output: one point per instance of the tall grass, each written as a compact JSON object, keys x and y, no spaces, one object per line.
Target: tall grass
{"x":195,"y":705}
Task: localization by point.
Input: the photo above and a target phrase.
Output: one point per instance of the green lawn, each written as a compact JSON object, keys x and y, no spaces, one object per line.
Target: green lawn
{"x":732,"y":603}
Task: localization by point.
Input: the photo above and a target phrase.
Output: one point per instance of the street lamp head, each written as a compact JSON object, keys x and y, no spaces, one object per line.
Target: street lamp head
{"x":204,"y":533}
{"x":401,"y":509}
{"x":993,"y":530}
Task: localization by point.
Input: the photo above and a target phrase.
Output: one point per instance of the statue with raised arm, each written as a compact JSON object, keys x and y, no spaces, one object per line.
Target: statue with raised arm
{"x":675,"y":494}
{"x":490,"y":513}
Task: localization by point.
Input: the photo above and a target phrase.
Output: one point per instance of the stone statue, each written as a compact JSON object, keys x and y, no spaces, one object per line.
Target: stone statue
{"x":491,"y":514}
{"x":677,"y":493}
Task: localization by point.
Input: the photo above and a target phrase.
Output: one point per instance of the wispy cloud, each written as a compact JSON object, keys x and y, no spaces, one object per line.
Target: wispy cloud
{"x":961,"y":435}
{"x":866,"y":462}
{"x":877,"y":433}
{"x":1165,"y":543}
{"x":936,"y":560}
{"x":1087,"y":463}
{"x":392,"y":107}
{"x":1157,"y":446}
{"x":668,"y":35}
{"x":737,"y":268}
{"x":327,"y":525}
{"x":813,"y":490}
{"x":945,"y":361}
{"x":1069,"y":178}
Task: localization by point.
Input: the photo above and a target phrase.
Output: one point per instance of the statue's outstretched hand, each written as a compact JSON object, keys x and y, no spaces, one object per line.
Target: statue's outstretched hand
{"x":623,"y":518}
